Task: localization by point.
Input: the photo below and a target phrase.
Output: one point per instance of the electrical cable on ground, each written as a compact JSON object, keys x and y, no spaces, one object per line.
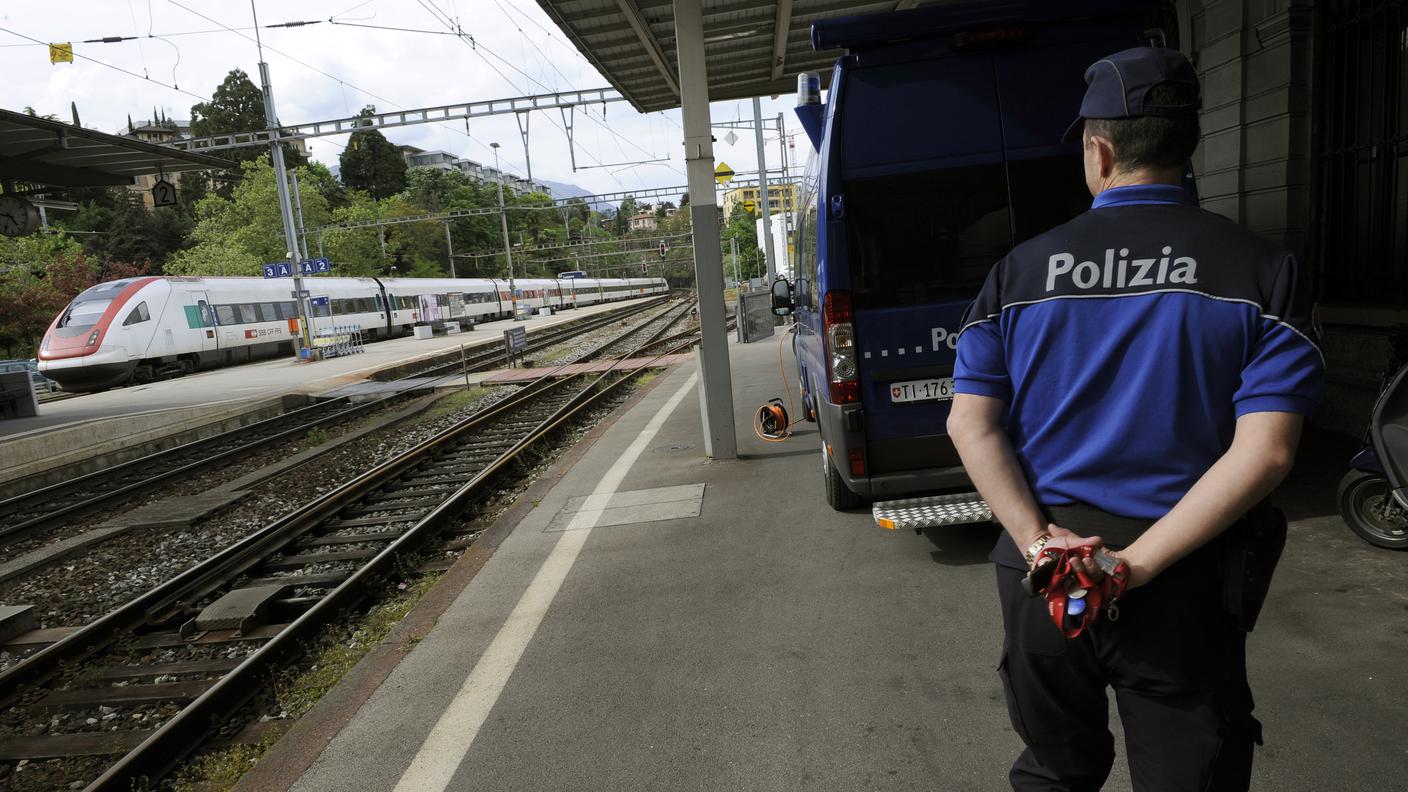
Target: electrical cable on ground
{"x":771,"y":423}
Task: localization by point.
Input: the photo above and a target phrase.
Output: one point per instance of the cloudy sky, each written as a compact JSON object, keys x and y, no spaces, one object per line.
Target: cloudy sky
{"x":332,"y":69}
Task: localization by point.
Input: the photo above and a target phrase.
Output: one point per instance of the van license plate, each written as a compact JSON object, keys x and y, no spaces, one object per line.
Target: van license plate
{"x":921,"y":390}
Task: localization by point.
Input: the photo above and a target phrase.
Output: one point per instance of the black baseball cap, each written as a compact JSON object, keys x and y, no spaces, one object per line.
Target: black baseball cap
{"x":1118,"y":84}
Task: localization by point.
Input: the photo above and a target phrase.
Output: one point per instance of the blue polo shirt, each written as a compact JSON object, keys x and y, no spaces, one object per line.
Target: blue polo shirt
{"x":1127,"y":342}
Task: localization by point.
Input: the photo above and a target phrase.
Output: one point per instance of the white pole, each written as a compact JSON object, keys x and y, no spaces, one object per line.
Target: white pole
{"x":503,"y":217}
{"x":716,"y":381}
{"x":276,"y":152}
{"x":768,"y":255}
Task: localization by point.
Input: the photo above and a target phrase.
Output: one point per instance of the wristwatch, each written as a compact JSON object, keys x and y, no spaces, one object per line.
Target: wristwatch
{"x":1035,"y":547}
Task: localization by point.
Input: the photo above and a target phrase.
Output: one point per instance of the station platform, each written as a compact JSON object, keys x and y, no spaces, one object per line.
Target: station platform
{"x":647,"y":619}
{"x":95,"y":423}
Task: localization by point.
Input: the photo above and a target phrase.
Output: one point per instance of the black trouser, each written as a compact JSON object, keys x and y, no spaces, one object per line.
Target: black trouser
{"x":1178,"y":668}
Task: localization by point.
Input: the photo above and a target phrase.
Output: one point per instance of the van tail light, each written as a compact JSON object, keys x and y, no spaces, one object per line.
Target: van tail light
{"x":840,"y":335}
{"x":857,"y":456}
{"x":93,"y":338}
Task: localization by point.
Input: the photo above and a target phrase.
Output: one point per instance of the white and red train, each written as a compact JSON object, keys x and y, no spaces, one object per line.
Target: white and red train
{"x":141,"y":329}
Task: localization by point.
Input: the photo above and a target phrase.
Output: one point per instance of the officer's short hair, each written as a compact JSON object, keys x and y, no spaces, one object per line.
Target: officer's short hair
{"x":1163,"y":142}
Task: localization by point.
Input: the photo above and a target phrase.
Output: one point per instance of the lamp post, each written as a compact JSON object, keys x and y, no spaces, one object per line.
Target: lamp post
{"x":503,"y":218}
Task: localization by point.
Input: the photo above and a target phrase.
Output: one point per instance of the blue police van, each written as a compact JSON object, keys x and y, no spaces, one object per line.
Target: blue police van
{"x":937,"y":150}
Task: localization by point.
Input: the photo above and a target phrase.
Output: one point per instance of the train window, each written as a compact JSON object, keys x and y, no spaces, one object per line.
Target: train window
{"x":138,"y":314}
{"x":268,"y":313}
{"x":322,"y":309}
{"x":84,"y":313}
{"x":288,"y":310}
{"x":226,"y":314}
{"x":248,"y":313}
{"x":206,"y":318}
{"x":365,"y":305}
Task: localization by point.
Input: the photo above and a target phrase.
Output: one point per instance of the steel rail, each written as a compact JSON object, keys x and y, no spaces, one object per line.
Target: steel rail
{"x":226,"y":563}
{"x":107,"y":498}
{"x":205,"y":453}
{"x":547,"y":338}
{"x":183,"y":732}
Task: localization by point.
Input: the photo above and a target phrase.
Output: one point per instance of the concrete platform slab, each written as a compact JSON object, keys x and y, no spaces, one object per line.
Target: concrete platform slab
{"x":373,"y":389}
{"x":15,"y":620}
{"x":510,"y":376}
{"x":770,"y":643}
{"x":626,"y":508}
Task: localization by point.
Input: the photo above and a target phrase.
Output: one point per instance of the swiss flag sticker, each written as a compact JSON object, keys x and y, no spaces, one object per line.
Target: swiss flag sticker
{"x":894,"y":393}
{"x":251,"y":334}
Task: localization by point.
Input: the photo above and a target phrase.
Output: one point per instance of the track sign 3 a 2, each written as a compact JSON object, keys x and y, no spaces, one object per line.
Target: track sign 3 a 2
{"x":723,"y":174}
{"x":163,"y":193}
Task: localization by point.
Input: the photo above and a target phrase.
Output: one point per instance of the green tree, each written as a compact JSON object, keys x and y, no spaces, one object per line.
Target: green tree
{"x":356,"y":251}
{"x":39,"y":275}
{"x":235,"y":235}
{"x":372,"y":163}
{"x":236,"y":105}
{"x":117,"y":227}
{"x":437,"y":189}
{"x":315,"y":176}
{"x":742,"y":226}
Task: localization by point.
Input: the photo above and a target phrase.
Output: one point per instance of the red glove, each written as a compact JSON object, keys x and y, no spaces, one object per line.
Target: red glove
{"x":1069,"y":578}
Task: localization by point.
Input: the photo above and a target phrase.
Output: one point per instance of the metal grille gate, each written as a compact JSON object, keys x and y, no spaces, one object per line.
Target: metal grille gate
{"x":1364,"y":151}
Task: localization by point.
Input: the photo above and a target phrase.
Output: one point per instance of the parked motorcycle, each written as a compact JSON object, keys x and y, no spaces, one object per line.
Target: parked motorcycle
{"x":1372,"y":495}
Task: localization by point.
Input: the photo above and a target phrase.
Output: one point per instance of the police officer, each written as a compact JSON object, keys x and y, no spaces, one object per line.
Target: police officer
{"x":1134,"y":379}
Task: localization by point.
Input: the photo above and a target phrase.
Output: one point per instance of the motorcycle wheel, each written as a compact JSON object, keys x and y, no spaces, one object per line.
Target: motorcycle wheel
{"x":1371,"y":512}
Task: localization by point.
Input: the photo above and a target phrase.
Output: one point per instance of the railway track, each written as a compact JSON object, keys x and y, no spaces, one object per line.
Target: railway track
{"x":494,"y":357}
{"x":50,"y":507}
{"x":221,"y":628}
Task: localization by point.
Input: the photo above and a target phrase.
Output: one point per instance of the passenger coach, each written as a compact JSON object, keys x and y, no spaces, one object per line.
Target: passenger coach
{"x":937,"y":151}
{"x":141,"y":329}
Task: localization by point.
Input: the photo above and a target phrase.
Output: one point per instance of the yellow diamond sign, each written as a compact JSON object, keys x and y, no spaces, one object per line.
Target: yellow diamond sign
{"x":750,"y":206}
{"x":723,"y":173}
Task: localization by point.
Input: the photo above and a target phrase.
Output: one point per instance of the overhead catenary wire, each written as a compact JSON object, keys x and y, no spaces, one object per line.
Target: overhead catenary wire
{"x":330,"y":76}
{"x":476,"y":46}
{"x":110,"y":66}
{"x":469,"y":41}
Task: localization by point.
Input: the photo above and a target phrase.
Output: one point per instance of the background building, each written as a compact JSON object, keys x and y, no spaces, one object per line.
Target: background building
{"x":782,"y":198}
{"x":444,"y":160}
{"x":165,"y":130}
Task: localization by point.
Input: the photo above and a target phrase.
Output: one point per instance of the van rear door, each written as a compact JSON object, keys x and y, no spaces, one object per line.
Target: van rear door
{"x":928,"y":217}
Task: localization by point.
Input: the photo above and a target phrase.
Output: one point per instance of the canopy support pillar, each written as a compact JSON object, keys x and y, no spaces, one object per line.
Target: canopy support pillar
{"x":715,"y":378}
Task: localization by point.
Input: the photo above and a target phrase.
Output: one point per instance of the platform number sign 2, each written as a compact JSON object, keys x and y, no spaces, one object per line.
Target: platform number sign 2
{"x":163,"y":193}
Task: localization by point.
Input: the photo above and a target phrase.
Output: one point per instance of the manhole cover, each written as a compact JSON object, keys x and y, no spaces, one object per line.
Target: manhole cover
{"x":673,"y":447}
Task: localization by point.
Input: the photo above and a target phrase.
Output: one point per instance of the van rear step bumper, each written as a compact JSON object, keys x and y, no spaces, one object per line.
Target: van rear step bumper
{"x":931,"y":512}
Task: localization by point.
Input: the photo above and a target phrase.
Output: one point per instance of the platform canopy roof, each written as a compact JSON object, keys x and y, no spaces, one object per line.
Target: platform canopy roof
{"x":753,"y":47}
{"x":45,"y":153}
